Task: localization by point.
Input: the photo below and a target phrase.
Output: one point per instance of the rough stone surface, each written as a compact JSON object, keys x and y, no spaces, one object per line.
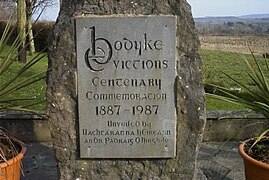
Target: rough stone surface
{"x":26,"y":126}
{"x":235,"y":125}
{"x":62,"y":95}
{"x":226,"y":164}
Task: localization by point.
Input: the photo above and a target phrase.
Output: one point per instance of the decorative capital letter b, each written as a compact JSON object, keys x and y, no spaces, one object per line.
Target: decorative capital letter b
{"x":99,"y":53}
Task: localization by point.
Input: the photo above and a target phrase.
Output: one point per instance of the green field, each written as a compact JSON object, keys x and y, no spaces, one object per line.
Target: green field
{"x":32,"y":93}
{"x":215,"y":64}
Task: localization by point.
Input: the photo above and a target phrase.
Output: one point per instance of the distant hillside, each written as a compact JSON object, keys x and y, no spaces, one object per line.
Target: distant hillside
{"x":255,"y":16}
{"x":209,"y":19}
{"x":255,"y":24}
{"x":220,"y":19}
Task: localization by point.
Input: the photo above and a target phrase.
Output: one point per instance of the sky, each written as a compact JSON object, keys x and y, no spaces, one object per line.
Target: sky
{"x":201,"y":8}
{"x":50,"y":14}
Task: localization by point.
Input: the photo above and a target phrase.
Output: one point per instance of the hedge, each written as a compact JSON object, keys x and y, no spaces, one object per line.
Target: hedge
{"x":41,"y":30}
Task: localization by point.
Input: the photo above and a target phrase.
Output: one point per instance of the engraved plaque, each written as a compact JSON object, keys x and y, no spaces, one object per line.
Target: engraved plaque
{"x":126,"y":78}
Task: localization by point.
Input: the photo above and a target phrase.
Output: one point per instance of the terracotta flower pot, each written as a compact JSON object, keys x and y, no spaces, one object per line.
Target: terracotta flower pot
{"x":253,"y":169}
{"x":11,"y":170}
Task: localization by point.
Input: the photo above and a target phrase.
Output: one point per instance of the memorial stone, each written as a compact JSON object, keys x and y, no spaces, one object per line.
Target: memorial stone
{"x":125,"y":94}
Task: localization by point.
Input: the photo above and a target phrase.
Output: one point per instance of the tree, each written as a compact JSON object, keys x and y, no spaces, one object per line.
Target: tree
{"x":25,"y":10}
{"x":29,"y":26}
{"x":21,"y":28}
{"x":35,"y":6}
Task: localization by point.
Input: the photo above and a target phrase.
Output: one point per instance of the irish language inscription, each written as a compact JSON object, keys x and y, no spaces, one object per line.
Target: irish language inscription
{"x":126,"y":75}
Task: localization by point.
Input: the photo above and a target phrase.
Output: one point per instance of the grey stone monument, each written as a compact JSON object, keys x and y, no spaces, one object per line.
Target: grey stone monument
{"x":125,"y":94}
{"x":126,"y":77}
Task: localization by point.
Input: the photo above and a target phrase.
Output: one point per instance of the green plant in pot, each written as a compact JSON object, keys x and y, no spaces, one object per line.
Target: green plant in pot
{"x":11,"y":149}
{"x":255,"y":152}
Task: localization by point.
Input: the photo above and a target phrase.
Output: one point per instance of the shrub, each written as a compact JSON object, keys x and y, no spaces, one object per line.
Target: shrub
{"x":41,"y":30}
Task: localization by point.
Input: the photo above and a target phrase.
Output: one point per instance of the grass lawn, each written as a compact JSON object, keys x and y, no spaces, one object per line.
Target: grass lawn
{"x":215,"y":64}
{"x":32,"y":93}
